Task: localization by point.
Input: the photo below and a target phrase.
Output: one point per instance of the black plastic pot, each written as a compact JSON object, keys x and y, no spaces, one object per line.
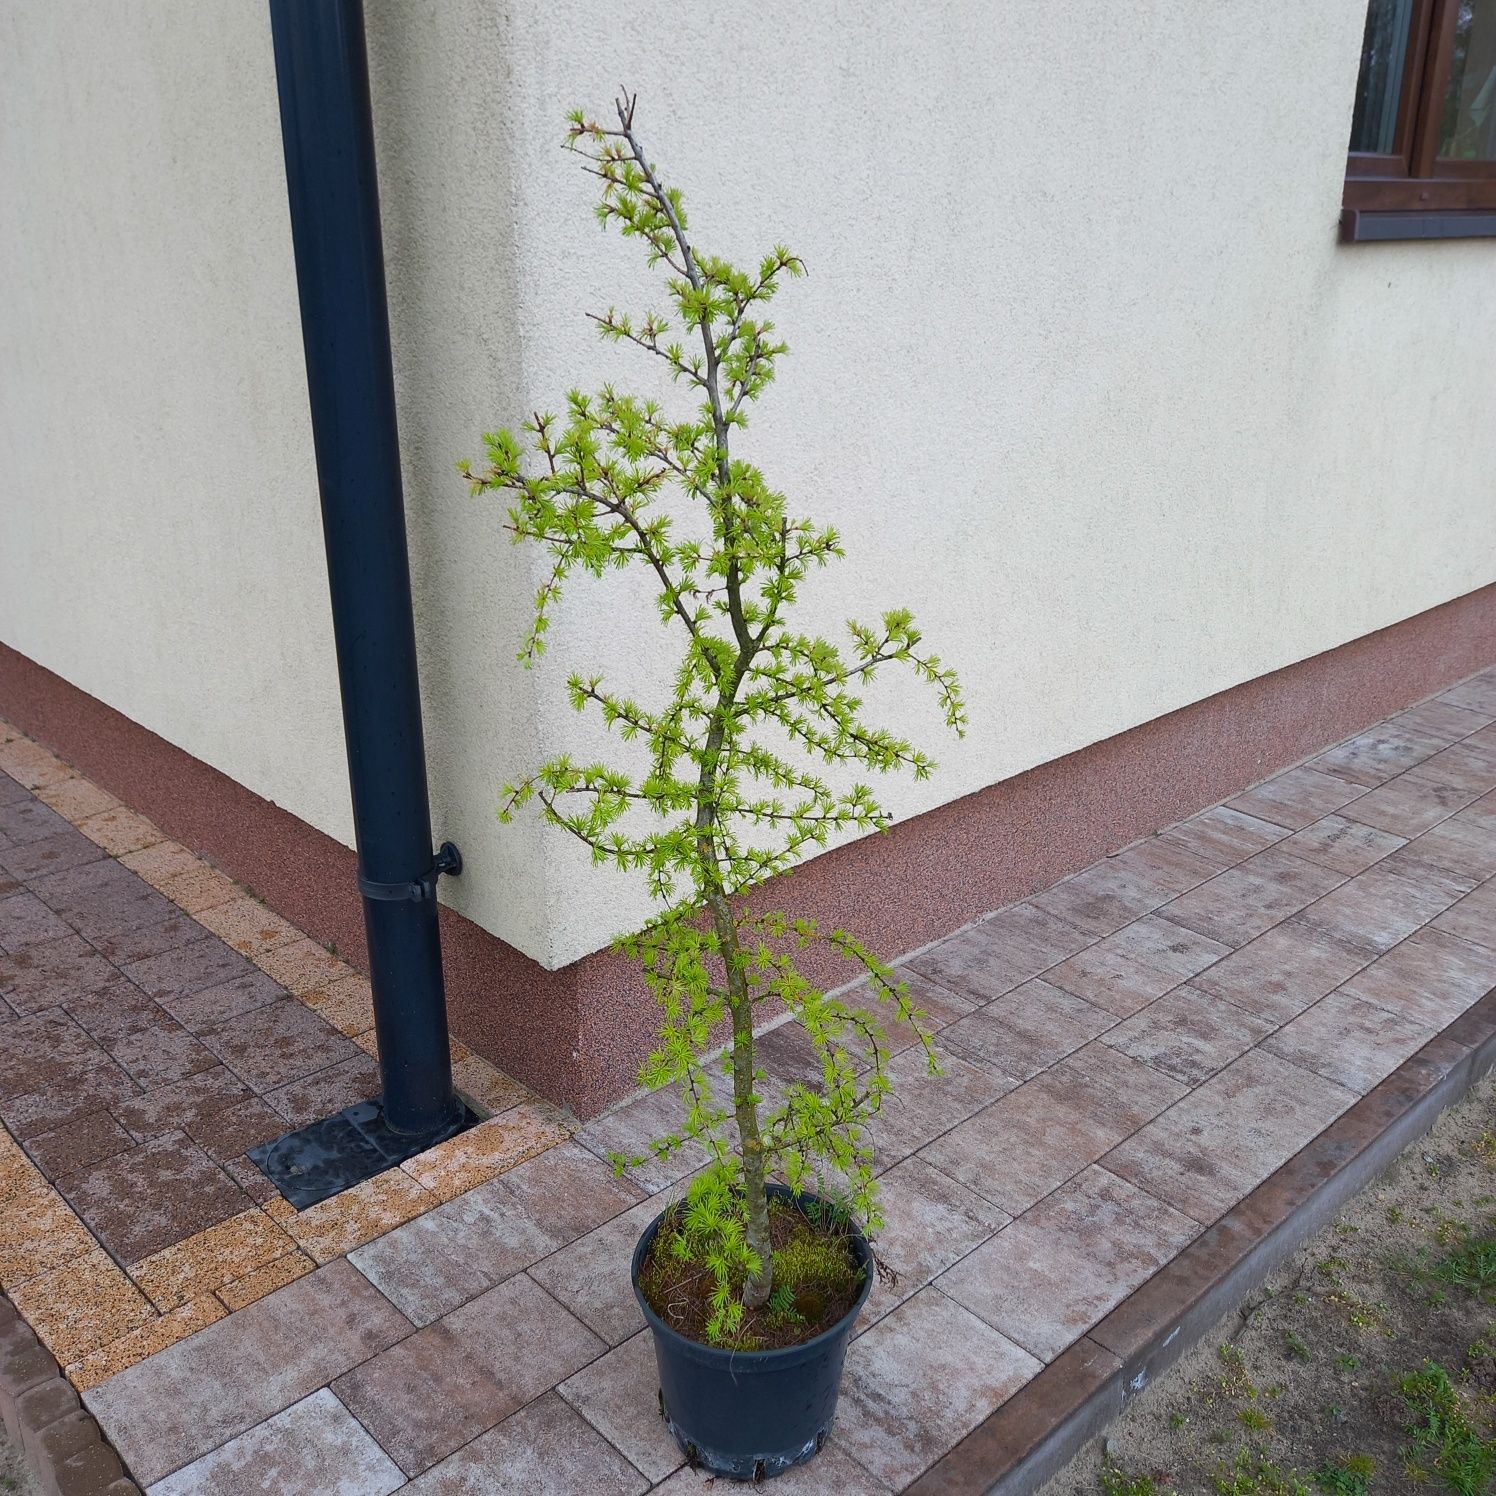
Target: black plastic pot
{"x":752,"y":1415}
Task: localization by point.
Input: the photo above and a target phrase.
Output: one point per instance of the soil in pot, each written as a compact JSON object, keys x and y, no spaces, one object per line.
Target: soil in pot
{"x":817,"y":1279}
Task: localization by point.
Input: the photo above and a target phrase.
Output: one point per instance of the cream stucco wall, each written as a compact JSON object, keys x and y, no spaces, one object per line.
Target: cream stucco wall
{"x":1079,"y":369}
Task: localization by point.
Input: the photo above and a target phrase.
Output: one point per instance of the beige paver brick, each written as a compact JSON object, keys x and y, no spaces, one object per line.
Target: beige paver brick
{"x":30,"y":764}
{"x":86,"y":1303}
{"x":346,"y":1003}
{"x":76,"y":798}
{"x":145,"y":1340}
{"x":489,"y":1149}
{"x":201,"y":887}
{"x":159,"y":862}
{"x":38,"y":1234}
{"x":266,"y":1279}
{"x":248,"y":926}
{"x":211,"y":1258}
{"x":334,"y":1227}
{"x":490,"y":1088}
{"x":120,"y":831}
{"x":302,"y":966}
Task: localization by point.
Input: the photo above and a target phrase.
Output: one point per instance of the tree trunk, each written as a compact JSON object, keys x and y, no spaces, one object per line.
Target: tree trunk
{"x":757,"y":1289}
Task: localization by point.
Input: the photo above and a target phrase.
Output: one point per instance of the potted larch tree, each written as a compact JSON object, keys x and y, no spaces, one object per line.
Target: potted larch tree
{"x":752,"y":1281}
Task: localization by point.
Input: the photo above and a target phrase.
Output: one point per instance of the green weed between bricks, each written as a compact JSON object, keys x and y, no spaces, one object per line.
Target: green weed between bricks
{"x":731,"y":792}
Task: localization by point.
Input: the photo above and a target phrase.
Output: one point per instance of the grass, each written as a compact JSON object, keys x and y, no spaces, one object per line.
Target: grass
{"x":1472,"y":1268}
{"x":1442,"y":1441}
{"x":1346,"y":1475}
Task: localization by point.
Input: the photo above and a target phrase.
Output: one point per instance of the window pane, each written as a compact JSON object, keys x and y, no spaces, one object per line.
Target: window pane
{"x":1468,"y":129}
{"x":1384,"y":53}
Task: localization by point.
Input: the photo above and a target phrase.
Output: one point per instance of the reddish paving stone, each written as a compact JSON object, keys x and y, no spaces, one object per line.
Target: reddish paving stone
{"x":1252,"y":897}
{"x":327,"y":1091}
{"x":152,"y":1197}
{"x":1104,"y":897}
{"x":1346,"y":846}
{"x":1056,"y":1270}
{"x":1283,"y":972}
{"x":160,"y":1054}
{"x":922,"y":1106}
{"x":47,"y":1051}
{"x":1356,"y":1044}
{"x":182,"y":1105}
{"x":184,"y":1401}
{"x":629,"y":1130}
{"x":546,"y":1449}
{"x":937,"y":1005}
{"x":1295,"y":799}
{"x":1376,"y":909}
{"x":1126,"y":971}
{"x":1410,"y":804}
{"x":88,"y":1140}
{"x":618,"y":1394}
{"x":55,"y":1106}
{"x":1430,"y":979}
{"x":1189,"y":1034}
{"x":450,"y":1255}
{"x":1223,"y":837}
{"x":277,"y":1044}
{"x":150,"y":940}
{"x":188,"y":968}
{"x":1471,"y":765}
{"x":1377,"y":755}
{"x":12,"y":792}
{"x":985,"y":960}
{"x":1031,"y":1141}
{"x":919,"y":1380}
{"x":1027,"y":1030}
{"x":1456,"y":848}
{"x":236,"y":1129}
{"x":591,"y":1276}
{"x":101,"y":899}
{"x":116,"y":1010}
{"x":1167,"y":864}
{"x":52,"y":854}
{"x":1224,"y":1138}
{"x":52,"y":973}
{"x":1441,"y":719}
{"x":929,"y":1223}
{"x":1473,"y":918}
{"x":1478,"y":694}
{"x":446,"y":1384}
{"x":314,"y":1445}
{"x":210,"y":1006}
{"x":28,"y":820}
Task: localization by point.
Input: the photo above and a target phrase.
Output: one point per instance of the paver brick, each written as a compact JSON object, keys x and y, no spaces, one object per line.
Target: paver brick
{"x":985,"y":960}
{"x":1295,"y":799}
{"x":277,"y":1044}
{"x":1252,"y":897}
{"x":165,"y":1412}
{"x":430,"y":1394}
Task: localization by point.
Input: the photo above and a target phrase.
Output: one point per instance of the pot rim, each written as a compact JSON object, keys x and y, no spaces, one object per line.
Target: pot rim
{"x":761,"y":1358}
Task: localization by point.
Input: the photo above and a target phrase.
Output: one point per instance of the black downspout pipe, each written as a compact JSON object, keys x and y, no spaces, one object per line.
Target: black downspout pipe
{"x":322,"y":76}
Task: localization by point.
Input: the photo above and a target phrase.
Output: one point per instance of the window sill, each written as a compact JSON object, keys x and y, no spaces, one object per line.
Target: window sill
{"x":1363,"y":226}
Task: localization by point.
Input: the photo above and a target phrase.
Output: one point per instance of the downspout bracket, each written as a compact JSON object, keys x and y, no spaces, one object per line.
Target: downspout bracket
{"x":447,"y":860}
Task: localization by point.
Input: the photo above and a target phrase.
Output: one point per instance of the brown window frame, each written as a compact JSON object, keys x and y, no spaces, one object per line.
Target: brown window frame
{"x":1411,"y":178}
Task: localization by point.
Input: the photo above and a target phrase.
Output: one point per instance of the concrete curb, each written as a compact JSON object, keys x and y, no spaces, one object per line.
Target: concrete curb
{"x":58,"y":1437}
{"x":1040,"y":1428}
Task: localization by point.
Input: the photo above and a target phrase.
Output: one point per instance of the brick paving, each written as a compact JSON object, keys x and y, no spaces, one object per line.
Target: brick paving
{"x":156,"y":1023}
{"x":1128,"y":1055}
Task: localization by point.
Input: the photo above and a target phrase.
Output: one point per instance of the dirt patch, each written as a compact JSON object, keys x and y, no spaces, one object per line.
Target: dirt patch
{"x":817,"y":1278}
{"x":16,"y":1478}
{"x":1365,"y":1364}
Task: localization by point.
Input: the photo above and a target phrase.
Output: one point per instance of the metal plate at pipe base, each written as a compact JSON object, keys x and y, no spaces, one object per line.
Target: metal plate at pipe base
{"x":334,"y":1153}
